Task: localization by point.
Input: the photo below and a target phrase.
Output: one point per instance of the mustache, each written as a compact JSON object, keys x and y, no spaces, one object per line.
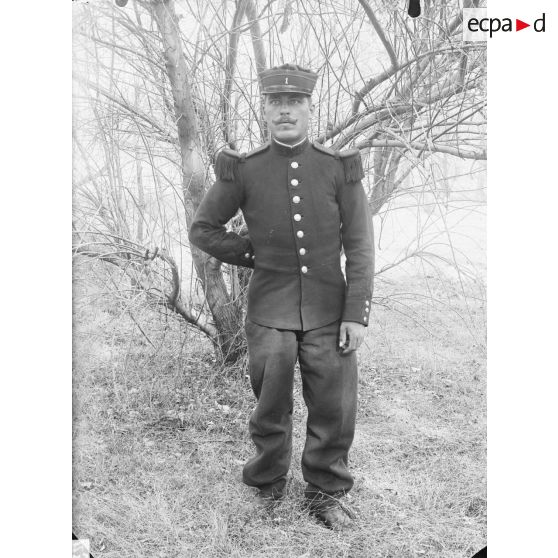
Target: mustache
{"x":284,"y":120}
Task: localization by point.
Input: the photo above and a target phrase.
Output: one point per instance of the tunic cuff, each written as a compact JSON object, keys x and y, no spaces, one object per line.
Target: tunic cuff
{"x":247,"y":257}
{"x":357,"y":309}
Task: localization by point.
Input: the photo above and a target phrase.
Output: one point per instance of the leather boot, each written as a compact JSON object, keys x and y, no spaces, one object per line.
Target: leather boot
{"x":334,"y":516}
{"x":265,"y":502}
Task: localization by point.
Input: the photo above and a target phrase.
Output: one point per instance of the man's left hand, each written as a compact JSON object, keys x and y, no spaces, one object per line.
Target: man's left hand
{"x":351,"y":335}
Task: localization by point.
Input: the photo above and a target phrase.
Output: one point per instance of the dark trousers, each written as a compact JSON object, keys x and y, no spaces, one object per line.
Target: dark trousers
{"x":329,"y":383}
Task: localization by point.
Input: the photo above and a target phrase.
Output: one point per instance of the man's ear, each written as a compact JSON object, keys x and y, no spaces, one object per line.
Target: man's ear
{"x":311,"y":105}
{"x":264,"y":103}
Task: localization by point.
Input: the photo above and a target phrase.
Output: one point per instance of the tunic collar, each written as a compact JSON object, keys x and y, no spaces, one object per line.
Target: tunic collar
{"x":289,"y":150}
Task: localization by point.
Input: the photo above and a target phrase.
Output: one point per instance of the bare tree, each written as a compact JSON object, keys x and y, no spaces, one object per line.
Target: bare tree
{"x":162,"y":86}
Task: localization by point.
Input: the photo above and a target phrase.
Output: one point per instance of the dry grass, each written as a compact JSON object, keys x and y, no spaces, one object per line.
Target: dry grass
{"x":160,"y":438}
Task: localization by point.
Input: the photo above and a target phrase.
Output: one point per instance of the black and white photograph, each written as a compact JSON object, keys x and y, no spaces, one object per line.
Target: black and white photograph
{"x":279,"y":279}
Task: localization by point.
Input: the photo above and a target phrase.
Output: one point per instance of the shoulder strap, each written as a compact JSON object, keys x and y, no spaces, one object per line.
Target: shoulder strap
{"x":324,"y":149}
{"x":259,"y":149}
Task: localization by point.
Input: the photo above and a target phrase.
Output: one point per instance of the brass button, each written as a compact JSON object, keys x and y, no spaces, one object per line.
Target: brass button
{"x":367,"y":303}
{"x":297,"y":217}
{"x":365,"y":318}
{"x":296,"y":199}
{"x":247,"y":255}
{"x":294,"y":165}
{"x":304,"y":269}
{"x":302,"y":251}
{"x":294,"y":182}
{"x":300,"y":234}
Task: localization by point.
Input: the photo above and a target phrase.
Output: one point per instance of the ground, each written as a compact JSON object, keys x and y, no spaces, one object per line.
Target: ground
{"x":160,"y":437}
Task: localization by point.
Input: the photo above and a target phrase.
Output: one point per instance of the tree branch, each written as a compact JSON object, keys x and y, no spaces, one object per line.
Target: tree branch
{"x":386,"y":74}
{"x":234,"y":35}
{"x":376,"y":24}
{"x":259,"y":53}
{"x":256,"y":34}
{"x":424,"y":146}
{"x":123,"y":255}
{"x":122,"y":103}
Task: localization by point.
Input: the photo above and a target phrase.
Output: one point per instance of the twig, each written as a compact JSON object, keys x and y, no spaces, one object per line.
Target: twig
{"x":376,"y":24}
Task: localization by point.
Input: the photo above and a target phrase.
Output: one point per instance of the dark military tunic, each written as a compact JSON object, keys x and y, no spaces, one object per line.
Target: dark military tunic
{"x":302,"y":205}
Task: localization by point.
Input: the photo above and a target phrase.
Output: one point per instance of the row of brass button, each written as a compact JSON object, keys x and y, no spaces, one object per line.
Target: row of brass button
{"x":297,"y":216}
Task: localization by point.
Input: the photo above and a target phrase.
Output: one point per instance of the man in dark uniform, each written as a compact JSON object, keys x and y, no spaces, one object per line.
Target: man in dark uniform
{"x":303,"y":203}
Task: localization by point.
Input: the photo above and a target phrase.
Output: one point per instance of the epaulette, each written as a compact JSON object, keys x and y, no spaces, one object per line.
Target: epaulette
{"x":352,"y":165}
{"x":320,"y":147}
{"x":259,"y":149}
{"x":226,"y":164}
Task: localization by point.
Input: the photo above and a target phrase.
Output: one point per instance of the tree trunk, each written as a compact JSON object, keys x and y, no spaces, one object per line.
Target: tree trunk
{"x":226,"y":313}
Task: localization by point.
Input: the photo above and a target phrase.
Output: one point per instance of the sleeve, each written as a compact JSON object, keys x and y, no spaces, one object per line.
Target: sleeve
{"x":220,"y":204}
{"x":357,"y":239}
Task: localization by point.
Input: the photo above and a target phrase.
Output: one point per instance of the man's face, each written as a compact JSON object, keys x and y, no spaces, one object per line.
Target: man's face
{"x":287,"y":115}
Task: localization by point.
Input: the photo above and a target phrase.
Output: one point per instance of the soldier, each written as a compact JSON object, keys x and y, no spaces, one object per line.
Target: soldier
{"x":303,"y":203}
